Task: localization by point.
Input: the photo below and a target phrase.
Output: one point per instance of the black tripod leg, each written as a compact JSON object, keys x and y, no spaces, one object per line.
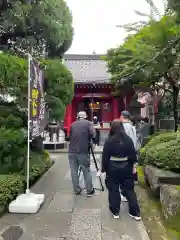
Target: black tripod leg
{"x":95,"y":163}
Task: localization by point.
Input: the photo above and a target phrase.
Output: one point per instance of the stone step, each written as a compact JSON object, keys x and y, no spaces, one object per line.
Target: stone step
{"x":155,"y":177}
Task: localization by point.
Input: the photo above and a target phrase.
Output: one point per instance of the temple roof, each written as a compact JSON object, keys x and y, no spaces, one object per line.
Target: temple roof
{"x":87,"y":68}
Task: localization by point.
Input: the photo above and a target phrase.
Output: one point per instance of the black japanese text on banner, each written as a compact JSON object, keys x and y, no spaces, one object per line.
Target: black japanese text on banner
{"x":37,"y":103}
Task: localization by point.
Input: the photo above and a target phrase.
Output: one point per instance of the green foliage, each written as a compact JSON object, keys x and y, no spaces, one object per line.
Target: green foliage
{"x":13,"y":76}
{"x":60,"y":88}
{"x":142,"y":46}
{"x":11,"y":122}
{"x":174,"y":5}
{"x":142,"y":156}
{"x":163,"y":137}
{"x":146,"y":58}
{"x":162,"y":151}
{"x":38,"y":166}
{"x":13,"y":82}
{"x":12,"y":150}
{"x":39,"y":27}
{"x":165,"y":155}
{"x":158,"y":136}
{"x":39,"y":163}
{"x":10,"y":187}
{"x":13,"y":184}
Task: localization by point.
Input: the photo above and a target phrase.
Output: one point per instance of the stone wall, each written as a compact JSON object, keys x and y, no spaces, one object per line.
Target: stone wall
{"x":170,"y":201}
{"x":165,"y":185}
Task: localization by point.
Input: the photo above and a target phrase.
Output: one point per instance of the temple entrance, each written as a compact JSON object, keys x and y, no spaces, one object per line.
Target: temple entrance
{"x":93,"y":108}
{"x":101,"y":108}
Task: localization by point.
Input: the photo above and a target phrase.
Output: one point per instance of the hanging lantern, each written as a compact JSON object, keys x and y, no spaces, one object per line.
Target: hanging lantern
{"x":94,"y":106}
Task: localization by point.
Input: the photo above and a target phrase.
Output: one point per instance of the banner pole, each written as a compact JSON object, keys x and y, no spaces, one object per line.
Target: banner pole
{"x":29,"y":120}
{"x":29,"y":202}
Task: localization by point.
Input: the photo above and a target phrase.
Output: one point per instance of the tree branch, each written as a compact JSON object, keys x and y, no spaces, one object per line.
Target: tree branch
{"x":165,"y":89}
{"x":171,"y":80}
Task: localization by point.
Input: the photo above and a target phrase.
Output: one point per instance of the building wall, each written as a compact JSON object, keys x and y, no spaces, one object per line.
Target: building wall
{"x":111,"y":107}
{"x":151,"y":103}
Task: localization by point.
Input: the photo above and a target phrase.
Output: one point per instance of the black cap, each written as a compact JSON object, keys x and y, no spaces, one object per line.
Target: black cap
{"x":125,"y":114}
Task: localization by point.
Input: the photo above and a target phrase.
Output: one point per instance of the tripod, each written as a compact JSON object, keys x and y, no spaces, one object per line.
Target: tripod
{"x":97,"y":169}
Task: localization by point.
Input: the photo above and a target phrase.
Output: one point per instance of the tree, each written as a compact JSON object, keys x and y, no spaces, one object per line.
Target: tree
{"x":13,"y":82}
{"x":43,"y":28}
{"x":60,"y":88}
{"x":175,"y":5}
{"x":145,"y":58}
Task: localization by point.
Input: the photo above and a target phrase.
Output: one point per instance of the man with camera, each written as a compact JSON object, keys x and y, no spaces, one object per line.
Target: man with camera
{"x":81,"y":133}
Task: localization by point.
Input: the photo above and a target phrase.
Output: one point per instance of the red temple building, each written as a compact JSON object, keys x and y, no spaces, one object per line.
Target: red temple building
{"x":93,"y":91}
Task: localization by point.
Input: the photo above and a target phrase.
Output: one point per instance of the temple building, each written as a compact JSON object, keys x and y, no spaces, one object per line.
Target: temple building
{"x":94,"y":93}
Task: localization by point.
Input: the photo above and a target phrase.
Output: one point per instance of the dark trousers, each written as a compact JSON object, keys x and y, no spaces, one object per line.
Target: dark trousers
{"x":97,"y":136}
{"x":135,"y":177}
{"x":117,"y":178}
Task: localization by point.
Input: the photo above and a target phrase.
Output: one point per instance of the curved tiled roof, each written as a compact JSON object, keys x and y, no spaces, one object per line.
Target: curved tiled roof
{"x":87,"y":68}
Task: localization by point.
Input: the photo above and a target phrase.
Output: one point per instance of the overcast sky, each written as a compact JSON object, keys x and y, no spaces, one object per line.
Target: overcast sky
{"x":95,"y":22}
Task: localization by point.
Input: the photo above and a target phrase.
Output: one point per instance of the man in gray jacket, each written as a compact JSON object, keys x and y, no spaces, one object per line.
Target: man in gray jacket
{"x":81,"y":133}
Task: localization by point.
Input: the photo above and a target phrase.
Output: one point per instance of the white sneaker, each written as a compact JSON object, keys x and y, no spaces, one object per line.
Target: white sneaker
{"x":115,"y":216}
{"x":123,"y":199}
{"x":135,"y":217}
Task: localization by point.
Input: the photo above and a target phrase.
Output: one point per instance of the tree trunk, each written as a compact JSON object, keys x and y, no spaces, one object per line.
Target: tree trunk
{"x":175,"y":110}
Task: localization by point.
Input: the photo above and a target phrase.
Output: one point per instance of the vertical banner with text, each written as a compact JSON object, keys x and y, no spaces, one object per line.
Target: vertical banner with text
{"x":37,"y":103}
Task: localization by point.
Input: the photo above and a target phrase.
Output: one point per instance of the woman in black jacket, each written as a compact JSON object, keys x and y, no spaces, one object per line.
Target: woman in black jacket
{"x":118,"y":159}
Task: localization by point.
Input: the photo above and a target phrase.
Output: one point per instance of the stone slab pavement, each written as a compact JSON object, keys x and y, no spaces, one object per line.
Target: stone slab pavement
{"x":66,"y":216}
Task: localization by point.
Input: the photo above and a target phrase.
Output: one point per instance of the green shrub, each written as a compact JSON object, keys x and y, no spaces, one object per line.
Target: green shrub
{"x":13,"y":184}
{"x":165,"y":155}
{"x":142,"y":156}
{"x":10,"y":187}
{"x":12,"y":150}
{"x":162,"y":137}
{"x":39,"y":163}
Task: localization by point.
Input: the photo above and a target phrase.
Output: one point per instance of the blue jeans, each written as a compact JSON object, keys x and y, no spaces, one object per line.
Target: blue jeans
{"x":80,"y":161}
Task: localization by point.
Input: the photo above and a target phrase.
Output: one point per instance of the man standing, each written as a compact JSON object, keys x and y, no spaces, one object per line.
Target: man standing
{"x":96,"y":126}
{"x":128,"y":127}
{"x":131,"y":132}
{"x":81,"y":133}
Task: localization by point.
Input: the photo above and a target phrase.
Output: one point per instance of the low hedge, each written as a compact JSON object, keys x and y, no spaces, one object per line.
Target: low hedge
{"x":39,"y":163}
{"x":158,"y":138}
{"x":10,"y":187}
{"x":165,"y":156}
{"x":163,"y":151}
{"x":13,"y":184}
{"x":162,"y":137}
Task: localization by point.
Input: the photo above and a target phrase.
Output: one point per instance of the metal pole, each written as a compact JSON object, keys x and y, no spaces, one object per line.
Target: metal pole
{"x":29,"y":121}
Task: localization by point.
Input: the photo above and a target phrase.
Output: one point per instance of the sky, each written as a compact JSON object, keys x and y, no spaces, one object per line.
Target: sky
{"x":95,"y":22}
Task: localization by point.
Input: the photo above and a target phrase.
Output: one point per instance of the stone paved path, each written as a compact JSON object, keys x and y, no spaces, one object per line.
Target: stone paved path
{"x":65,"y":216}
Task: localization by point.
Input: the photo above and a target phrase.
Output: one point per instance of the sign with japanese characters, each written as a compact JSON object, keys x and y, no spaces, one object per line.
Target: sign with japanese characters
{"x":37,"y":103}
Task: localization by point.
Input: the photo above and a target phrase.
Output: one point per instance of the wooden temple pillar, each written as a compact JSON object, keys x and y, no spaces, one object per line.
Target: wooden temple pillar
{"x":115,"y":104}
{"x":68,"y":118}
